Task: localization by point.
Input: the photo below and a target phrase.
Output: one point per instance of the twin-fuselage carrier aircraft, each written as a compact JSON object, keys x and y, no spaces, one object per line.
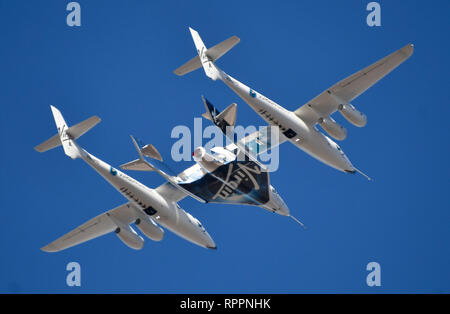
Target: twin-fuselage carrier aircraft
{"x":231,"y":174}
{"x":220,"y":177}
{"x":299,"y":126}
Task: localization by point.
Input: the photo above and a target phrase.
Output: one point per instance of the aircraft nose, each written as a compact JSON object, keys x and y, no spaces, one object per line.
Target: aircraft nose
{"x":284,"y":210}
{"x":350,"y":168}
{"x":347,"y":165}
{"x":210,"y":244}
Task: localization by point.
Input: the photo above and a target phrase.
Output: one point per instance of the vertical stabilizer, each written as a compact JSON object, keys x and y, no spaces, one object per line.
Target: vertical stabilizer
{"x":207,"y":63}
{"x":206,"y":57}
{"x":70,"y":147}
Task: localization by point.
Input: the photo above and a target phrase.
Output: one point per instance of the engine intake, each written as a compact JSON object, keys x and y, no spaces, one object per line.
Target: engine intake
{"x":148,"y":227}
{"x":349,"y":112}
{"x":337,"y":131}
{"x":128,"y":236}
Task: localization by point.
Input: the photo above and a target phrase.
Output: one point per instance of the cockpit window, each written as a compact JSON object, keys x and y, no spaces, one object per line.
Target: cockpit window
{"x":200,"y":226}
{"x":273,"y":190}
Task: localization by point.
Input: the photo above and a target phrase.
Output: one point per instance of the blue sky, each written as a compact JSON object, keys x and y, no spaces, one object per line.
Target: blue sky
{"x":119,"y":65}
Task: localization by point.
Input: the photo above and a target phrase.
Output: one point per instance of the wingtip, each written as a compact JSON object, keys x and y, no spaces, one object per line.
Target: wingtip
{"x":408,"y":49}
{"x":49,"y":248}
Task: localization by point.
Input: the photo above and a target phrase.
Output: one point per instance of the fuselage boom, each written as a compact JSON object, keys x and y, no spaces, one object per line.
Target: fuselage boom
{"x":168,"y":214}
{"x":302,"y":135}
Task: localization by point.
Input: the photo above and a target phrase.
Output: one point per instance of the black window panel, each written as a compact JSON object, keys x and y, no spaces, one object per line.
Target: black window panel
{"x":150,"y":211}
{"x":290,"y":133}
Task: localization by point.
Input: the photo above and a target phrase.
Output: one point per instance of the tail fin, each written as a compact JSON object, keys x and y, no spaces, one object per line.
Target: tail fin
{"x":141,"y":164}
{"x":206,"y":57}
{"x":66,"y":136}
{"x":224,"y":119}
{"x":156,"y":164}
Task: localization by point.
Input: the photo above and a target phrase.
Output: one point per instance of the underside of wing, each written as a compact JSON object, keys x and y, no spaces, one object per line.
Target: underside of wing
{"x":189,"y":66}
{"x":94,"y":228}
{"x":348,"y":89}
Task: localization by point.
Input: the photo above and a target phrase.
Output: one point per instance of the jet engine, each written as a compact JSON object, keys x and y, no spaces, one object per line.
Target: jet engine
{"x":352,"y":115}
{"x":206,"y":160}
{"x":148,"y":227}
{"x":128,"y":236}
{"x":337,"y":131}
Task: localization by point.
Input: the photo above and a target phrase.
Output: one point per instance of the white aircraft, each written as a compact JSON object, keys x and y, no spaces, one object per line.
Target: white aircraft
{"x":299,"y":126}
{"x":146,"y":207}
{"x":218,"y":178}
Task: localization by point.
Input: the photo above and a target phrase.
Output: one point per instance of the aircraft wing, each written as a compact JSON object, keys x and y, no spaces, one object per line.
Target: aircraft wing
{"x":94,"y":228}
{"x":348,"y":89}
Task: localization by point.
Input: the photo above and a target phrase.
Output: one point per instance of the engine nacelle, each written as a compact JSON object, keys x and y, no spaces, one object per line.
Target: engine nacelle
{"x":128,"y":236}
{"x":150,"y":228}
{"x":205,"y":160}
{"x":337,"y":131}
{"x":352,"y":115}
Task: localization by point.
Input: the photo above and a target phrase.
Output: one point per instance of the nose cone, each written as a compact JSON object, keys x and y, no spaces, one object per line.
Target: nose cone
{"x":276,"y":203}
{"x":210,"y":244}
{"x":348,"y":167}
{"x":284,"y":210}
{"x":341,"y":162}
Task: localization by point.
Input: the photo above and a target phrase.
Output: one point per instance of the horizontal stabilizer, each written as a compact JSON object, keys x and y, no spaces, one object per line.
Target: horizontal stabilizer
{"x":224,"y":119}
{"x":67,"y":135}
{"x":228,"y":115}
{"x":52,"y":142}
{"x":214,"y":53}
{"x":150,"y":151}
{"x":137,"y":165}
{"x":206,"y":57}
{"x":155,"y":165}
{"x":79,"y":129}
{"x":189,"y":66}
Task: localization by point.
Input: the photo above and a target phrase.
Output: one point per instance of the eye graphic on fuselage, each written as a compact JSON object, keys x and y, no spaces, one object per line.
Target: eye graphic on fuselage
{"x":252,"y":93}
{"x":113,"y":171}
